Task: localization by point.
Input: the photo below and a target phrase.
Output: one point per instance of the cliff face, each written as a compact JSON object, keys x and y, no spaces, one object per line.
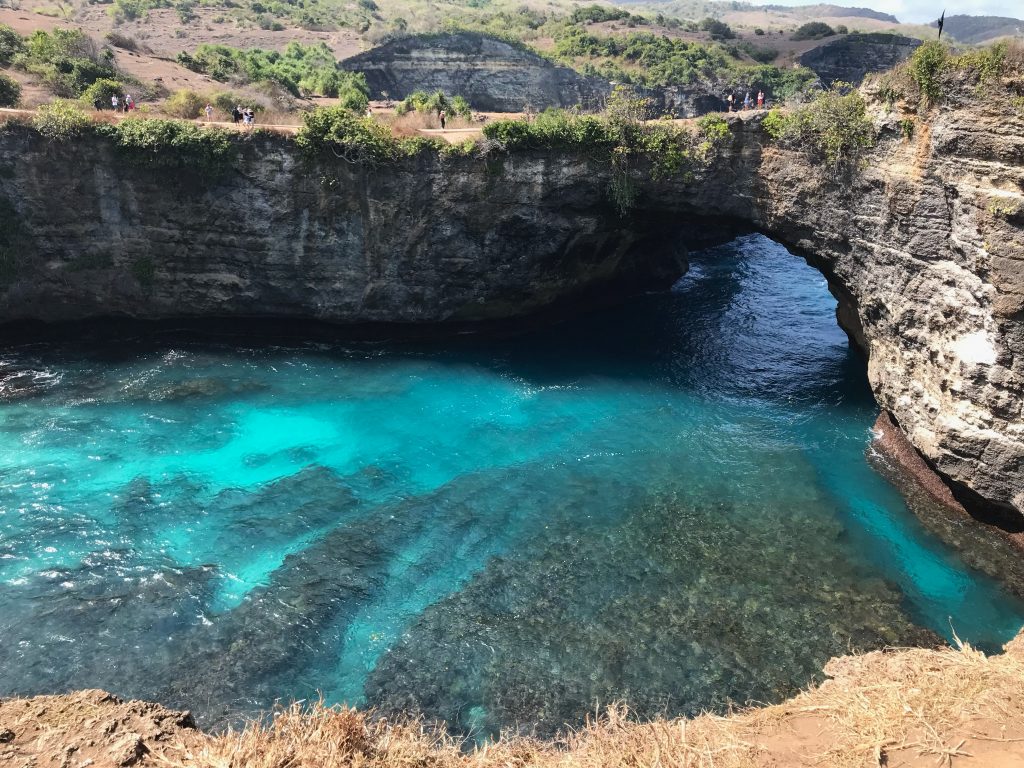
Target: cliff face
{"x":923,"y":247}
{"x":490,"y":73}
{"x":850,"y":58}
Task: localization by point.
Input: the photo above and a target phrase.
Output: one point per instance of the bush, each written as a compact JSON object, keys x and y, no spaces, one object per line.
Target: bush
{"x":757,"y":53}
{"x":813,"y":30}
{"x":336,"y":131}
{"x":66,"y":59}
{"x":834,"y":127}
{"x":174,"y":144}
{"x":186,"y":10}
{"x":718,"y":30}
{"x":102,"y":91}
{"x":61,"y":120}
{"x":926,"y":65}
{"x":842,"y":29}
{"x":125,"y":42}
{"x":554,"y":129}
{"x":588,"y":14}
{"x":433,"y":103}
{"x":10,"y":91}
{"x":185,"y":104}
{"x":11,"y":44}
{"x":310,"y":69}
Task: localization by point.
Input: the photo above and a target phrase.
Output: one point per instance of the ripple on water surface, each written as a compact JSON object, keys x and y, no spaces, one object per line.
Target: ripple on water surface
{"x":668,"y":503}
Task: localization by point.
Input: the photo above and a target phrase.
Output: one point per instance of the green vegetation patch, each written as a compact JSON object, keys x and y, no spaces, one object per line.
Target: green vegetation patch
{"x":299,"y":69}
{"x":622,"y":138}
{"x":10,"y":91}
{"x":934,"y":73}
{"x":833,"y":127}
{"x":173,"y":144}
{"x":11,"y":44}
{"x":813,"y":30}
{"x":61,"y":121}
{"x":434,"y":103}
{"x":67,"y":60}
{"x":337,"y":132}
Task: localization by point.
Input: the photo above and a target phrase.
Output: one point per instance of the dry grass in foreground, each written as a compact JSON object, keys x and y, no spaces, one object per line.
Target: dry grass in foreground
{"x":899,"y":708}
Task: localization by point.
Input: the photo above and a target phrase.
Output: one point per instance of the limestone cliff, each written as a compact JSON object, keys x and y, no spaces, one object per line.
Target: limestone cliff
{"x":922,"y":246}
{"x":492,"y":74}
{"x":851,"y":57}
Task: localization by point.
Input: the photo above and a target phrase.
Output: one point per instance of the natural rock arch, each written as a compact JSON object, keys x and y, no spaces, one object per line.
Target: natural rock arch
{"x":923,"y":246}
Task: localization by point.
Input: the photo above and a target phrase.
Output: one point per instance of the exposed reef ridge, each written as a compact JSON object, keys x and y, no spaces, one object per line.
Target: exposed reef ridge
{"x":910,"y":707}
{"x":922,"y":246}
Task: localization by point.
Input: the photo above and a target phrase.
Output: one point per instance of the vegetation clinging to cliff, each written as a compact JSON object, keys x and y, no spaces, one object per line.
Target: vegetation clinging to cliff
{"x":173,"y":144}
{"x":620,"y":137}
{"x":834,"y":126}
{"x":934,"y":74}
{"x":337,"y":132}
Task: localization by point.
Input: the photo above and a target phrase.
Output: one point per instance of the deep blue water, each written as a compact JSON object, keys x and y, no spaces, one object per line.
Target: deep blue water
{"x":668,"y":502}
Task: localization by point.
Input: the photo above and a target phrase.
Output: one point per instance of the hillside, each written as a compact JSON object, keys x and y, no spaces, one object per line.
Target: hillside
{"x":982,"y":29}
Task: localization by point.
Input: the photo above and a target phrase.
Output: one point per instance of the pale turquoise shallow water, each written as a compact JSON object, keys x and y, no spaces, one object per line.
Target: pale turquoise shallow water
{"x":668,"y":502}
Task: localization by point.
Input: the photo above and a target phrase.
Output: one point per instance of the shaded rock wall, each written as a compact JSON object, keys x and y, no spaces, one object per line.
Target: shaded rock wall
{"x":491,"y":74}
{"x":923,"y":247}
{"x":852,"y":57}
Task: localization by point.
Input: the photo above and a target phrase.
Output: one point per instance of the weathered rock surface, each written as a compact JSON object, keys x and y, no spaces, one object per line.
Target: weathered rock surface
{"x":491,"y":74}
{"x":923,"y":247}
{"x":91,"y":728}
{"x":850,"y":58}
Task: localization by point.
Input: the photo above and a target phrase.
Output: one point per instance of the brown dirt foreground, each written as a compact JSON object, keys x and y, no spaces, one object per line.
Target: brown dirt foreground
{"x":912,"y":707}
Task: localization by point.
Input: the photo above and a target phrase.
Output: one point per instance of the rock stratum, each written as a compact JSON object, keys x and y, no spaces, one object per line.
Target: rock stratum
{"x":851,"y":58}
{"x":492,"y":74}
{"x":923,"y":247}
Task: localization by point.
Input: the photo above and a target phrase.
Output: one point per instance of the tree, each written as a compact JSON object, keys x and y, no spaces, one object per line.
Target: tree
{"x":813,"y":30}
{"x":10,"y":91}
{"x":718,"y":30}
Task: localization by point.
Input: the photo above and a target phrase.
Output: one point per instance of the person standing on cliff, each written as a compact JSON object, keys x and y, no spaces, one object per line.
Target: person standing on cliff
{"x":760,"y":99}
{"x":236,"y":114}
{"x":747,"y":103}
{"x":115,"y":103}
{"x":729,"y":100}
{"x":209,"y":112}
{"x":440,"y":114}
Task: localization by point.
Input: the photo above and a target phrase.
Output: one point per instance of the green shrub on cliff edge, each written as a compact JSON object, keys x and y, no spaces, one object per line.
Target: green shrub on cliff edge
{"x":834,"y":127}
{"x":933,"y":74}
{"x":173,"y":144}
{"x":337,"y":132}
{"x":621,"y":137}
{"x":61,"y":121}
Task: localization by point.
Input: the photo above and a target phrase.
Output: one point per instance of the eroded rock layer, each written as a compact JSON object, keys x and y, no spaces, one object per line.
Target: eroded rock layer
{"x":922,"y":245}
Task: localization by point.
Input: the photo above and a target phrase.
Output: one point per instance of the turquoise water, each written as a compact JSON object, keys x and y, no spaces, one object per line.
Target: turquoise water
{"x":668,"y":502}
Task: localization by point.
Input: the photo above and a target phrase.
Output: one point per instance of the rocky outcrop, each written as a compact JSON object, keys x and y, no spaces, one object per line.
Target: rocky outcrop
{"x":851,"y":58}
{"x":922,"y":246}
{"x":493,"y":75}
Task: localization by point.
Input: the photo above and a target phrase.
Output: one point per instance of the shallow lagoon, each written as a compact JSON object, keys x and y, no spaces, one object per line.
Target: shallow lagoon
{"x":669,"y":503}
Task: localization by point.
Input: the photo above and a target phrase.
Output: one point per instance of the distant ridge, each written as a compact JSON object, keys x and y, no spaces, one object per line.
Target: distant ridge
{"x":828,"y":10}
{"x":978,"y":29}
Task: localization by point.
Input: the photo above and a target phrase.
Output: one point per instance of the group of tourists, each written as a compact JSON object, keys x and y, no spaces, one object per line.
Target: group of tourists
{"x":238,"y":115}
{"x":732,"y":99}
{"x":117,"y":103}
